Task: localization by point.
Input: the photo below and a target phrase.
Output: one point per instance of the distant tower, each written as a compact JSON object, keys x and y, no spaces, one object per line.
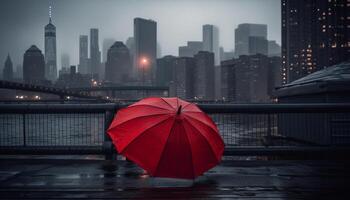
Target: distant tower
{"x":106,"y":44}
{"x":204,"y":79}
{"x":33,"y":66}
{"x":211,"y":41}
{"x":118,"y":65}
{"x":8,"y":69}
{"x":95,"y":54}
{"x":145,"y":38}
{"x":251,"y":39}
{"x":83,"y":54}
{"x":50,"y":50}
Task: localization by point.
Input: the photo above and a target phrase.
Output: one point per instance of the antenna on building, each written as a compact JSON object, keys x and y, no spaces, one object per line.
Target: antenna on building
{"x":50,"y":14}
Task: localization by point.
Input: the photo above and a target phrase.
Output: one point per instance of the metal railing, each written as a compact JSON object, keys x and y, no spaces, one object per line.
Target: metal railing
{"x":246,"y":128}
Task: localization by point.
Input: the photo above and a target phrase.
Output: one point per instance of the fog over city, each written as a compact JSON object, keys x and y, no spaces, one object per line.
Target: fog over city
{"x":22,"y":22}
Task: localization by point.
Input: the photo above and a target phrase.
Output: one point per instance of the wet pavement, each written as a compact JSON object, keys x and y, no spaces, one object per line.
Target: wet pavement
{"x":99,"y":179}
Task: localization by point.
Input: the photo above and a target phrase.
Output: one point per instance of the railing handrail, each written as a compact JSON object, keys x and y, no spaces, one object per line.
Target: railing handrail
{"x":208,"y":108}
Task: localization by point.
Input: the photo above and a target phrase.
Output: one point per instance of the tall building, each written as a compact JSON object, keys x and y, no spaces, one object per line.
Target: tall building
{"x":204,"y":72}
{"x":211,"y":41}
{"x":65,"y":61}
{"x":274,"y":49}
{"x":118,"y":65}
{"x":83,"y":54}
{"x":250,"y":39}
{"x":7,"y":73}
{"x":71,"y":79}
{"x":257,"y":45}
{"x":226,"y":55}
{"x":145,"y":38}
{"x":249,"y":79}
{"x":182,"y":85}
{"x":95,"y":54}
{"x":130,"y":43}
{"x":106,"y":44}
{"x":165,"y":70}
{"x":33,"y":66}
{"x":50,"y":50}
{"x":19,"y":72}
{"x":315,"y":35}
{"x":192,"y":48}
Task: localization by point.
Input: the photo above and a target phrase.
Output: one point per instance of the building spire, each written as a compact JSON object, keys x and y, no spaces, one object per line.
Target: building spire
{"x":50,"y":14}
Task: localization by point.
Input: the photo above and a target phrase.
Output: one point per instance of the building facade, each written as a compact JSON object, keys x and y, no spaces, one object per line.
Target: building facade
{"x":192,"y":48}
{"x":211,"y":41}
{"x":7,"y":73}
{"x":145,"y":39}
{"x":250,"y":39}
{"x":204,"y":76}
{"x":95,"y":54}
{"x":118,"y":64}
{"x":83,"y":54}
{"x":315,"y":35}
{"x":250,"y":79}
{"x":33,"y":66}
{"x":165,"y":70}
{"x":50,"y":52}
{"x":182,"y":85}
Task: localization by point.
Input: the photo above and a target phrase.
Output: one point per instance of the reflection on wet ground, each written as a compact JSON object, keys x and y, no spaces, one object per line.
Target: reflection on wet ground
{"x":99,"y":179}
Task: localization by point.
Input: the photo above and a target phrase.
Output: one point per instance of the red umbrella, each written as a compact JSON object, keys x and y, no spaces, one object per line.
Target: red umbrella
{"x":168,"y":137}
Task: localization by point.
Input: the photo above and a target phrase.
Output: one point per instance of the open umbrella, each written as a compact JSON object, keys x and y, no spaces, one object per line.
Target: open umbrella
{"x":168,"y":137}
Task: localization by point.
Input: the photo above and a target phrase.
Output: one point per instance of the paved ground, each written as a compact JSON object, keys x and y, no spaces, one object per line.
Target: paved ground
{"x":98,"y":179}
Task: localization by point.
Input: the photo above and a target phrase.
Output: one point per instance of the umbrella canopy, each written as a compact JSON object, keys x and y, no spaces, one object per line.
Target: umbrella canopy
{"x":168,"y":137}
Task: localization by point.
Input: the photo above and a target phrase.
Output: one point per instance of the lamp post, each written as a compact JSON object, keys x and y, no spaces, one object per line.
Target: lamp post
{"x":144,"y":62}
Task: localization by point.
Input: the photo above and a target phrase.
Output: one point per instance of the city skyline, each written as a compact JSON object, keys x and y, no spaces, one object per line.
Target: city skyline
{"x":68,"y":31}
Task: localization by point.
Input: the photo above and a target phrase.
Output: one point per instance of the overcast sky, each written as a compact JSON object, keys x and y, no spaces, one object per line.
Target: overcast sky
{"x":22,"y":22}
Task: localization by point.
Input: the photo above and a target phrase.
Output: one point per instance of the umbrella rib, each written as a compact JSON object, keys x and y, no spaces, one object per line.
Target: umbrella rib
{"x":145,"y":130}
{"x":138,"y":117}
{"x":166,"y":142}
{"x":189,"y":142}
{"x":202,"y":123}
{"x":186,"y":105}
{"x":131,"y":106}
{"x":167,"y":103}
{"x":198,"y":132}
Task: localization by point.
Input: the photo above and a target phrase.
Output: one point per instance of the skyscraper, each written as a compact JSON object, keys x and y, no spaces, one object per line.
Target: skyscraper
{"x":145,"y":37}
{"x":107,"y":43}
{"x":50,"y":50}
{"x":250,"y":39}
{"x":95,"y":54}
{"x":211,"y":41}
{"x":315,"y":35}
{"x":249,"y":78}
{"x":65,"y":61}
{"x":192,"y":48}
{"x":83,"y":54}
{"x":8,"y":69}
{"x":165,"y":70}
{"x":33,"y":66}
{"x":183,"y":78}
{"x":204,"y":72}
{"x":257,"y":45}
{"x":274,"y":49}
{"x":118,"y":65}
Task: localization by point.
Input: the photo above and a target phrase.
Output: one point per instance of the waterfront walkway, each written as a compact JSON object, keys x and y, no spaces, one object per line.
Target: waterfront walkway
{"x":99,"y":179}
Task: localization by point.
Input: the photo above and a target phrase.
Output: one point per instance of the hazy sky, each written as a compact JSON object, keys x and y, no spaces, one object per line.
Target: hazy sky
{"x":22,"y":22}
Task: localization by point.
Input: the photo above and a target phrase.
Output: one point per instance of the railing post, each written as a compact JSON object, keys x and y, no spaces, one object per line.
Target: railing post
{"x":24,"y":129}
{"x":107,"y":144}
{"x":268,"y":137}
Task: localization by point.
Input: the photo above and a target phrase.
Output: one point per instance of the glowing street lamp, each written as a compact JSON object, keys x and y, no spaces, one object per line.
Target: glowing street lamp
{"x":144,"y":62}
